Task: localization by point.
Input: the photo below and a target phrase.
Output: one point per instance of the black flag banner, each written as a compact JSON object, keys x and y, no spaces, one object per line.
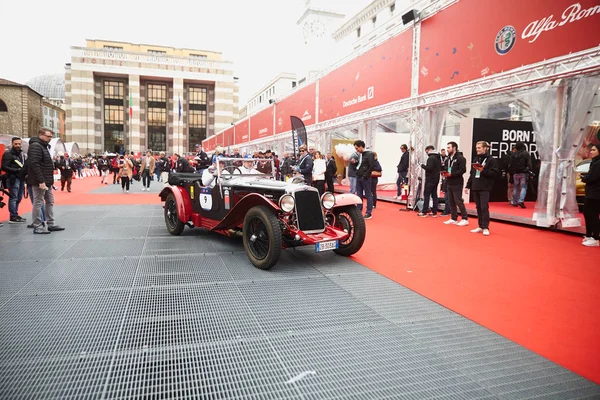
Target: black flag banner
{"x":298,"y":134}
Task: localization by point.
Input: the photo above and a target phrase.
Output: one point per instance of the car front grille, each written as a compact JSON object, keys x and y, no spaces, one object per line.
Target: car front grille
{"x":308,"y":211}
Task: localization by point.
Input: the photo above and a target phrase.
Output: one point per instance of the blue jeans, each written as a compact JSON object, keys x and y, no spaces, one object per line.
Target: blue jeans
{"x":363,"y":189}
{"x":16,"y":191}
{"x":520,"y":182}
{"x":352,"y":184}
{"x":43,"y":211}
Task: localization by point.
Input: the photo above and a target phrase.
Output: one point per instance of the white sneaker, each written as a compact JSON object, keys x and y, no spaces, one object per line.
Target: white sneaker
{"x":586,"y":238}
{"x":450,"y":222}
{"x":127,"y":191}
{"x":592,"y":243}
{"x":486,"y":232}
{"x":477,"y":230}
{"x":463,"y":222}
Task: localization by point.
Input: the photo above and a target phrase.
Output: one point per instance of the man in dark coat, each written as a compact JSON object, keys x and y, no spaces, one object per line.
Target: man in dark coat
{"x":484,"y":171}
{"x":13,"y":163}
{"x":402,"y":169}
{"x":305,"y":164}
{"x":40,"y":176}
{"x":364,"y":170}
{"x":330,"y":172}
{"x":66,"y":167}
{"x":432,"y":179}
{"x":456,"y":168}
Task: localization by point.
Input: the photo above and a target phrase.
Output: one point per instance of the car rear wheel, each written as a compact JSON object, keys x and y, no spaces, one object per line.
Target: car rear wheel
{"x":262,"y":237}
{"x":350,"y":219}
{"x":174,"y":224}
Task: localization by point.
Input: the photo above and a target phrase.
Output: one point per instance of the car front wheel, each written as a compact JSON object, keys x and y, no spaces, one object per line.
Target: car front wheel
{"x":350,"y":219}
{"x":174,"y":224}
{"x":262,"y":237}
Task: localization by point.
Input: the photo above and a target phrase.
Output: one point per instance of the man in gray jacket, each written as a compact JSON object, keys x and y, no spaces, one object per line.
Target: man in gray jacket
{"x":40,"y":176}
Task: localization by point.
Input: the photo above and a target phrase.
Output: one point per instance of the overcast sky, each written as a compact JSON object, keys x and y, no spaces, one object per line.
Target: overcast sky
{"x":259,"y":36}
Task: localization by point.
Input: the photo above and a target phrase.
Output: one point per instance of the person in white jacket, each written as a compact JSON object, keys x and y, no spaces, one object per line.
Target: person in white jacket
{"x":318,"y":175}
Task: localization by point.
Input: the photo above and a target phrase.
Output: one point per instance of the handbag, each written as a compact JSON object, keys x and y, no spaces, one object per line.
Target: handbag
{"x":375,"y":174}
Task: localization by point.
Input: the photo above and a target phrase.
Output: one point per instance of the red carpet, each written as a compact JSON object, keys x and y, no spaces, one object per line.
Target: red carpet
{"x":537,"y":288}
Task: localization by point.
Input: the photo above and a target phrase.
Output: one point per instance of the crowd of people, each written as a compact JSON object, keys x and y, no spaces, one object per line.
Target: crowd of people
{"x":34,"y":173}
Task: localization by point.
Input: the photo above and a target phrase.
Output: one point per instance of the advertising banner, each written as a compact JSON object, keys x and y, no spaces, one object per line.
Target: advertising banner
{"x":380,"y":76}
{"x":301,"y":103}
{"x":261,"y":124}
{"x":209,"y":144}
{"x":477,"y":38}
{"x":502,"y":135}
{"x":299,"y":136}
{"x":242,"y":134}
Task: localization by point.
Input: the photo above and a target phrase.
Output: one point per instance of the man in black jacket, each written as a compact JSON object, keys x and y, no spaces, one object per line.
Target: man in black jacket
{"x":40,"y":177}
{"x":182,"y":164}
{"x":484,"y":171}
{"x":402,"y":169}
{"x":66,"y":167}
{"x":456,"y":167}
{"x":330,"y":172}
{"x":305,"y":165}
{"x":202,"y":159}
{"x":520,"y":168}
{"x":13,"y":163}
{"x":364,"y":169}
{"x":432,"y":179}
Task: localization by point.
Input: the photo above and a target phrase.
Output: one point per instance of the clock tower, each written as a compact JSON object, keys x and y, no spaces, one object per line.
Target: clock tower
{"x":317,"y":23}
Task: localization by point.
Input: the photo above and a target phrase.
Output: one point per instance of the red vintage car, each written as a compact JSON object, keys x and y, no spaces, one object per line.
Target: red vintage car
{"x":270,"y":215}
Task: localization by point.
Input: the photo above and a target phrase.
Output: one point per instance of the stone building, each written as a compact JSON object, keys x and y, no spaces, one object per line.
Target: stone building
{"x":20,"y":109}
{"x":135,"y":97}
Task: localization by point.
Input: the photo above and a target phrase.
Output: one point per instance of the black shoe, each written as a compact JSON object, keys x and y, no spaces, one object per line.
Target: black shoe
{"x":515,"y":205}
{"x":16,"y":220}
{"x":55,"y":228}
{"x":368,"y":216}
{"x":30,"y":226}
{"x":62,"y":189}
{"x":41,"y":231}
{"x":522,"y":205}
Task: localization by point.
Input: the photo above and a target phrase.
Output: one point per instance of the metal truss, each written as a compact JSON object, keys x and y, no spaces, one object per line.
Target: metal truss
{"x":417,"y":147}
{"x":574,"y":64}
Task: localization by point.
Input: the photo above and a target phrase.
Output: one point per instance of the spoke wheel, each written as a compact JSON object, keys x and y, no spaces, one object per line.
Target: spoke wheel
{"x":350,"y":220}
{"x":262,"y":237}
{"x":174,"y":225}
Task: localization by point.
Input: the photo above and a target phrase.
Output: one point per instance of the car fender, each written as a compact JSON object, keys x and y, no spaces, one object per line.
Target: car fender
{"x":236,"y":216}
{"x":346,"y":199}
{"x":182,"y":198}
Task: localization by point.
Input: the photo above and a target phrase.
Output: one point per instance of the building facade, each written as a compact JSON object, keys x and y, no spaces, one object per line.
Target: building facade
{"x":278,"y":86}
{"x":134,"y":97}
{"x":53,"y":118}
{"x":20,"y":110}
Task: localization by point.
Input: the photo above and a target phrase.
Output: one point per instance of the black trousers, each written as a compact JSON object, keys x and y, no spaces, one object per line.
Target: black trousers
{"x":482,"y":201}
{"x":430,"y":192}
{"x":455,"y":199}
{"x":591,"y":213}
{"x":67,"y":180}
{"x":320,"y":185}
{"x":146,"y":178}
{"x":374,"y":182}
{"x":329,"y":182}
{"x":125,"y":182}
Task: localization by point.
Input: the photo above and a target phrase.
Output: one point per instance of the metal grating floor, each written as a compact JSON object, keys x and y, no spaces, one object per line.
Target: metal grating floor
{"x":115,"y":307}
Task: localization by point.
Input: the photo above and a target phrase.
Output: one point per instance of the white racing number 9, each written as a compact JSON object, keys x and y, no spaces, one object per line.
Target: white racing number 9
{"x":206,"y":201}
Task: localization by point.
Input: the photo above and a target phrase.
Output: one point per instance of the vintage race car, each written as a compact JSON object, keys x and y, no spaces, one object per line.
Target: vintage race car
{"x":270,"y":215}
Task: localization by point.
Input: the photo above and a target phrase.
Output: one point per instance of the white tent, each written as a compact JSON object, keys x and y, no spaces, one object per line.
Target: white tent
{"x":56,"y":146}
{"x":6,"y":140}
{"x":72,"y":148}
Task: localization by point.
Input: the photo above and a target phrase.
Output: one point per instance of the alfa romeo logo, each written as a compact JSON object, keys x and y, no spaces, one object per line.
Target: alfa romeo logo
{"x":505,"y":40}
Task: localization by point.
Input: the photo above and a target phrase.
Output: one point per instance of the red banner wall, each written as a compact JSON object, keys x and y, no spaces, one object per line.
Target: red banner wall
{"x":209,"y":144}
{"x":476,"y":38}
{"x":301,"y":104}
{"x":241,"y":132}
{"x":228,"y":138}
{"x":261,"y":124}
{"x":378,"y":77}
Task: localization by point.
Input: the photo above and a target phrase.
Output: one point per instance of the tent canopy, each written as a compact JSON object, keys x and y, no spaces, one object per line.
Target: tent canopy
{"x":72,"y":148}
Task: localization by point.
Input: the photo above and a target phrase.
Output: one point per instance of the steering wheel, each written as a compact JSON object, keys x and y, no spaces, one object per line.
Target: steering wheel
{"x":231,"y":169}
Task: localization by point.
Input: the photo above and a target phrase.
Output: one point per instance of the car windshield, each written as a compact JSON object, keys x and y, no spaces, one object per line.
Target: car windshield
{"x":260,"y":167}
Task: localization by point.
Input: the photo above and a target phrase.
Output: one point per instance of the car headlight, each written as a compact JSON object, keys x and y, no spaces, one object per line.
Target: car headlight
{"x":328,"y":200}
{"x":287,"y":203}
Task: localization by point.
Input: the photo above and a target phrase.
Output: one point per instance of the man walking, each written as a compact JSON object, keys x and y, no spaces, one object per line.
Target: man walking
{"x":104,"y":166}
{"x":520,"y":168}
{"x":13,"y":163}
{"x":484,"y":170}
{"x":432,"y":178}
{"x":456,"y":165}
{"x":364,"y":169}
{"x":402,"y":170}
{"x":164,"y":165}
{"x":40,"y":177}
{"x":66,"y":166}
{"x":330,"y":172}
{"x":147,"y":167}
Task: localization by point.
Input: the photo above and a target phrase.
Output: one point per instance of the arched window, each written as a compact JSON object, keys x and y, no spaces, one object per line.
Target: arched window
{"x":3,"y":107}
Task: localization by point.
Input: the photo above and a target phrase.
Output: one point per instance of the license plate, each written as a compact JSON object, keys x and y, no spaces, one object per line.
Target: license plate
{"x":324,"y":246}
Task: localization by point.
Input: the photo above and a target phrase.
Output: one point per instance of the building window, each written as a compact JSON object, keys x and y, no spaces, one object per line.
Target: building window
{"x":358,"y":32}
{"x":157,"y":93}
{"x":114,"y":114}
{"x":392,"y":8}
{"x":114,"y":90}
{"x":197,"y":116}
{"x":112,"y":48}
{"x":198,"y":55}
{"x":157,"y":117}
{"x":157,"y":52}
